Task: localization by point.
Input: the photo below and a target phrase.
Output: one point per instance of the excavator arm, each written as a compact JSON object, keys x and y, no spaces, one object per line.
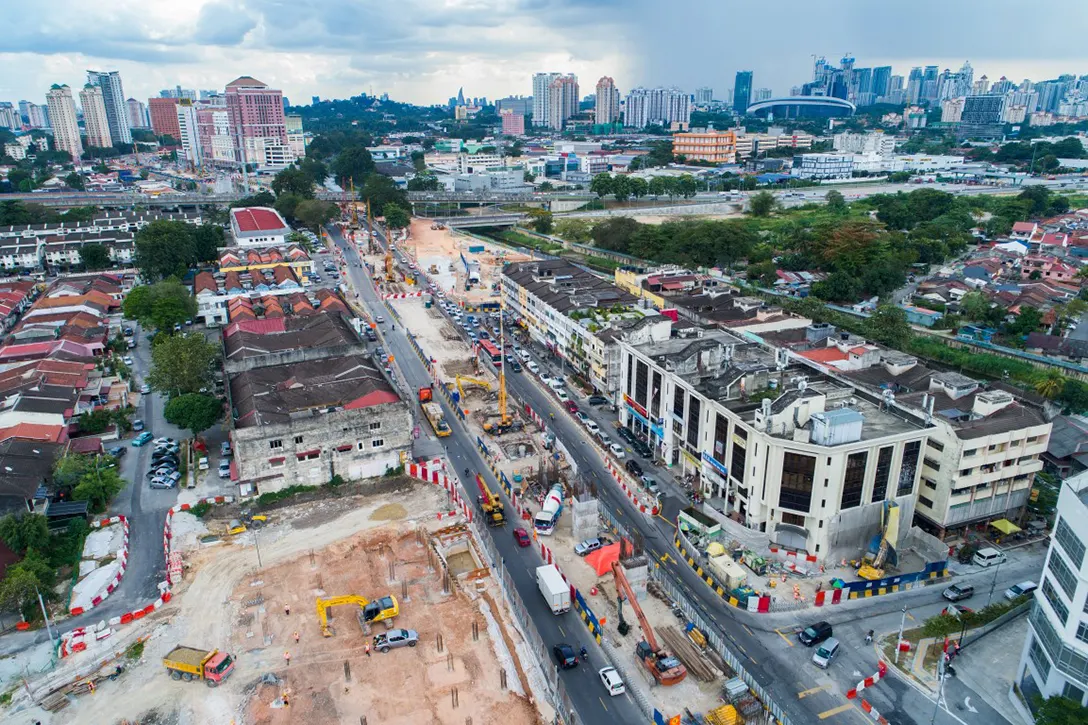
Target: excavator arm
{"x":623,"y":586}
{"x":384,"y":608}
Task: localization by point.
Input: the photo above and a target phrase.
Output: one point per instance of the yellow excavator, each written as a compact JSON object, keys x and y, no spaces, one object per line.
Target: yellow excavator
{"x":462,"y":379}
{"x":373,"y":611}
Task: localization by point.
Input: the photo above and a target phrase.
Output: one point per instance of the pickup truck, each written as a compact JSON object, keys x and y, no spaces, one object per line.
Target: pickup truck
{"x":192,"y":663}
{"x":396,"y":638}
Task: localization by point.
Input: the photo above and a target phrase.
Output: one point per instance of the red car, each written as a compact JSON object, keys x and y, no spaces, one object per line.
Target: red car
{"x":522,"y":537}
{"x":948,"y":611}
{"x":572,"y":407}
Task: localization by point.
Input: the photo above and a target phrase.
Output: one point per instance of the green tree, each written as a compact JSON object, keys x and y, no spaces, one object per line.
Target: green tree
{"x":1061,"y":711}
{"x":836,"y":202}
{"x":68,"y":469}
{"x":418,"y":162}
{"x":287,"y":204}
{"x":261,"y":198}
{"x":94,"y":256}
{"x":1050,"y":384}
{"x":137,"y":303}
{"x":601,"y":185}
{"x":541,"y":220}
{"x":23,"y":581}
{"x":621,"y":188}
{"x":97,"y":487}
{"x":1027,"y":321}
{"x":207,"y":239}
{"x":95,"y":422}
{"x":395,"y":216}
{"x":575,"y":230}
{"x":423,"y":182}
{"x":74,"y":181}
{"x":762,"y":204}
{"x":353,"y":162}
{"x":163,"y":249}
{"x":657,"y":186}
{"x":888,"y":324}
{"x":293,"y":181}
{"x":639,"y":186}
{"x":380,"y":190}
{"x":314,"y":169}
{"x":182,"y":363}
{"x":161,"y":305}
{"x":615,"y":233}
{"x":315,"y":213}
{"x":194,"y":412}
{"x":686,"y":186}
{"x":28,"y":531}
{"x":763,"y":273}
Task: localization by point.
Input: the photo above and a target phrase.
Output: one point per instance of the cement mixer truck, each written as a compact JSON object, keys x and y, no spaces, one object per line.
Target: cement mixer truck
{"x":548,"y":516}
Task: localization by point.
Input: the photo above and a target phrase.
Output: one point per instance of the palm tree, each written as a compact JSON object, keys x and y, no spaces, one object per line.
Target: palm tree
{"x":1050,"y":385}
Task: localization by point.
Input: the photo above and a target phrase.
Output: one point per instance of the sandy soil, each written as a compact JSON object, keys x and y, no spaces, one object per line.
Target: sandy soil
{"x":437,"y":337}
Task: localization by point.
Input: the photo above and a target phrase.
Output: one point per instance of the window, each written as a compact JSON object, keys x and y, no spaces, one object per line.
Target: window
{"x":934,"y":445}
{"x":966,"y":471}
{"x":854,"y":480}
{"x":933,"y":464}
{"x":1038,"y":658}
{"x":275,"y":444}
{"x":694,"y":409}
{"x":721,"y":434}
{"x":276,"y":462}
{"x":678,"y":401}
{"x":909,"y":469}
{"x":929,"y":484}
{"x":1072,"y":545}
{"x":971,"y":452}
{"x":642,"y":375}
{"x":798,"y":473}
{"x":1073,"y":692}
{"x":740,"y":454}
{"x":1062,"y":574}
{"x":298,"y":440}
{"x":376,"y":426}
{"x":883,"y":472}
{"x":377,"y":442}
{"x":1055,"y":601}
{"x":925,"y":501}
{"x":1082,"y":632}
{"x":793,"y":519}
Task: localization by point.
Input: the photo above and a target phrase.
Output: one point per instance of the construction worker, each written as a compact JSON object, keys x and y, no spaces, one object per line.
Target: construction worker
{"x":296,"y":637}
{"x":366,"y":648}
{"x":287,"y":658}
{"x":286,"y":699}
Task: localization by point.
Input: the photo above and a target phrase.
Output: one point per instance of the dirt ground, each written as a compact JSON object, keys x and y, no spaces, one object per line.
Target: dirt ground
{"x":662,"y":218}
{"x":437,"y":337}
{"x":336,"y":546}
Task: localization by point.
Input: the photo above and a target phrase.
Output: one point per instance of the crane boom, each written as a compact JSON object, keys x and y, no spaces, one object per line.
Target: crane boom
{"x":625,"y":586}
{"x":503,"y":418}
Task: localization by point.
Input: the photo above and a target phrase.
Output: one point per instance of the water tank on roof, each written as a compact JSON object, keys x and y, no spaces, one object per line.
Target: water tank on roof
{"x":835,"y":427}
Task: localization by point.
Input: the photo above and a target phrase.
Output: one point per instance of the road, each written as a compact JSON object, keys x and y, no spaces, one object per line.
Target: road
{"x":765,"y":643}
{"x":582,"y":685}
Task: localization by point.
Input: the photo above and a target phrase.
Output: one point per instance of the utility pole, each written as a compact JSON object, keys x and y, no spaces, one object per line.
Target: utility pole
{"x":940,"y":688}
{"x":994,"y":583}
{"x":41,"y":603}
{"x":902,"y":623}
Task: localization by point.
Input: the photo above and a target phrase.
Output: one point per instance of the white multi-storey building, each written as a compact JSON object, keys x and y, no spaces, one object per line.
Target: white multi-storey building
{"x":562,"y":101}
{"x":541,"y":82}
{"x":191,"y":151}
{"x":113,"y":98}
{"x":952,"y":109}
{"x":661,"y":106}
{"x":1054,"y":661}
{"x":876,"y":142}
{"x":823,"y":166}
{"x":94,"y":117}
{"x":607,"y":105}
{"x":62,"y":116}
{"x":137,"y":114}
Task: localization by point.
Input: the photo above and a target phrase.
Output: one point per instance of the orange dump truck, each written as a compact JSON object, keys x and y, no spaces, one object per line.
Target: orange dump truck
{"x":192,"y":663}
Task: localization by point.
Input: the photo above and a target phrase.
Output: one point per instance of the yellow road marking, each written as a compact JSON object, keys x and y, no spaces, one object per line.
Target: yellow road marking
{"x":562,"y":631}
{"x":805,"y":693}
{"x":786,"y":639}
{"x":748,"y":630}
{"x":911,"y":617}
{"x":602,"y":704}
{"x":835,"y":711}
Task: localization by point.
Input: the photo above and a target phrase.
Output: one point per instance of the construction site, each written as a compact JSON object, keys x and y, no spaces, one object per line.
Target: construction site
{"x":302,"y":619}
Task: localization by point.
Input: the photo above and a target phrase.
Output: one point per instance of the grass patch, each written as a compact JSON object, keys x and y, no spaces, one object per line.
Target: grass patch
{"x":201,"y":509}
{"x":602,"y":263}
{"x":5,"y":697}
{"x":273,"y":496}
{"x":135,"y":652}
{"x":394,"y":472}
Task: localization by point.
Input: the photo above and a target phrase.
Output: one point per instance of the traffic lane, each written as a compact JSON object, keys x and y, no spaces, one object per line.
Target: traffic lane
{"x":552,"y":629}
{"x":658,"y":537}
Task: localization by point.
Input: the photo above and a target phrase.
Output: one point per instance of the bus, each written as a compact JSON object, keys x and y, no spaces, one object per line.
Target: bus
{"x":489,"y":349}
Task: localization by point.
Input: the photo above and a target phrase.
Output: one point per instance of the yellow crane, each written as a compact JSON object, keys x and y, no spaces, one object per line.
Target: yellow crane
{"x":462,"y":379}
{"x":490,"y":503}
{"x":373,"y":611}
{"x":504,"y":417}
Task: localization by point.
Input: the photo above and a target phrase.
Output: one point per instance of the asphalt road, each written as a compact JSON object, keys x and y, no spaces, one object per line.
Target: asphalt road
{"x":765,"y":644}
{"x":583,"y":686}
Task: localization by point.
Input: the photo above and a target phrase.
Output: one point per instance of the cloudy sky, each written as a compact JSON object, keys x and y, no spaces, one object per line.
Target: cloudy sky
{"x":422,"y":50}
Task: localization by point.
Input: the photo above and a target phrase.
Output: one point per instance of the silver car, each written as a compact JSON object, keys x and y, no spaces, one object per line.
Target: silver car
{"x":587,"y":547}
{"x":396,"y":638}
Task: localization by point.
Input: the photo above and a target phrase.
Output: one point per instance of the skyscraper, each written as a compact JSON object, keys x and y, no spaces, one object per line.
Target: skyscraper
{"x":9,"y":116}
{"x":189,"y":133}
{"x":541,"y":81}
{"x":62,"y":116}
{"x":607,"y":104}
{"x":914,"y":85}
{"x":983,"y":109}
{"x":742,"y":92}
{"x":314,"y":100}
{"x":929,"y":83}
{"x":661,"y":106}
{"x":95,"y":118}
{"x":216,"y":142}
{"x":164,"y":116}
{"x":257,"y":122}
{"x":704,"y":95}
{"x":562,"y":100}
{"x":137,"y":114}
{"x":881,"y":78}
{"x":113,"y":98}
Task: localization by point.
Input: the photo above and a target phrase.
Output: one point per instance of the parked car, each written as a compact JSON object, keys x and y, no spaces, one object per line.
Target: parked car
{"x":145,"y":389}
{"x":612,"y":681}
{"x":571,"y":406}
{"x":161,"y":482}
{"x":515,"y":366}
{"x":587,"y":547}
{"x":395,"y":638}
{"x":642,"y":449}
{"x":597,"y":400}
{"x":224,"y":469}
{"x":202,"y":464}
{"x":582,"y":417}
{"x":591,"y":426}
{"x":626,"y":434}
{"x":814,"y":634}
{"x":632,"y":466}
{"x":522,"y":537}
{"x":825,"y":653}
{"x":533,"y":367}
{"x":650,"y":484}
{"x":1019,"y":590}
{"x":617,"y":450}
{"x":164,"y":441}
{"x":117,"y":451}
{"x":127,"y":360}
{"x":143,"y":438}
{"x":565,"y":656}
{"x":138,"y":425}
{"x":562,"y":395}
{"x":225,"y":449}
{"x":956,"y":592}
{"x":956,"y":610}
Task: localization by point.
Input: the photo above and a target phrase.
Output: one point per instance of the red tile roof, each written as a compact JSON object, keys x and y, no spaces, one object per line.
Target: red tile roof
{"x":257,"y":219}
{"x":825,"y":354}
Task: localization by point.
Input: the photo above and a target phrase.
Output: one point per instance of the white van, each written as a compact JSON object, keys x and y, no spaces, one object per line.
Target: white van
{"x":825,"y":652}
{"x":533,"y":367}
{"x":988,"y":557}
{"x":591,"y":426}
{"x":524,"y":355}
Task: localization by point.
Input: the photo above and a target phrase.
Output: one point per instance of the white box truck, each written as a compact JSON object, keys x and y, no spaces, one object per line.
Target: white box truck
{"x":555,"y":590}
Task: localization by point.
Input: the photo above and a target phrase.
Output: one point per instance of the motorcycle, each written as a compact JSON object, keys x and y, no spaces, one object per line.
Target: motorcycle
{"x":585,"y":655}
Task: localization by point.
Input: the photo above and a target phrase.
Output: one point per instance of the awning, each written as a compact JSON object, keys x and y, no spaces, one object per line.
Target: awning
{"x":1005,"y":526}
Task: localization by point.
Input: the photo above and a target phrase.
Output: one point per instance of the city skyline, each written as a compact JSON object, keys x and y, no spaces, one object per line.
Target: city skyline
{"x":295,"y":49}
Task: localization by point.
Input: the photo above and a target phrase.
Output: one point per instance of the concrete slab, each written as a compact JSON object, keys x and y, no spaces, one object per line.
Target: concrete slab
{"x":989,"y":667}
